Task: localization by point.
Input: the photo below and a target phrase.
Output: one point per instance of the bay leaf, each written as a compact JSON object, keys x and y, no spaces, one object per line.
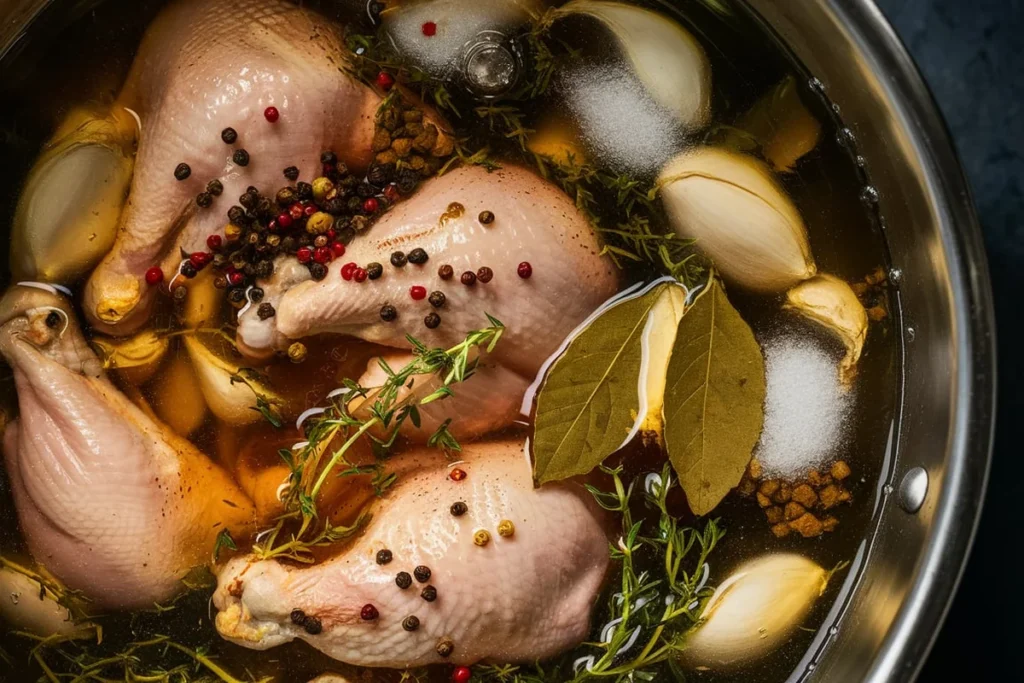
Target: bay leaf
{"x":593,"y":397}
{"x":714,"y":399}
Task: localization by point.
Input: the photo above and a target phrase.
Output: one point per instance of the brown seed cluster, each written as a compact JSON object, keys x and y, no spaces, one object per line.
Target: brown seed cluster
{"x":401,"y":135}
{"x":798,"y":506}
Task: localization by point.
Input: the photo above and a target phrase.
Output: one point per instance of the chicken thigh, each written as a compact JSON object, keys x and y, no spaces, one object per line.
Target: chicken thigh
{"x":204,"y":66}
{"x":109,"y":500}
{"x":520,"y":596}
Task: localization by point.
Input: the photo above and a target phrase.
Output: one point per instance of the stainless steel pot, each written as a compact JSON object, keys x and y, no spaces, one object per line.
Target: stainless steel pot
{"x":905,"y":574}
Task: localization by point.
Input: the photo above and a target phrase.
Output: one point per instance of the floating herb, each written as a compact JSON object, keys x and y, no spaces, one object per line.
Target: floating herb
{"x":224,"y":542}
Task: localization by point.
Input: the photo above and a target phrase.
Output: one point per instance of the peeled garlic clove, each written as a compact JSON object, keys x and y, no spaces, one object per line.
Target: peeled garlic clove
{"x":785,"y":128}
{"x":232,"y":402}
{"x":669,"y":61}
{"x":831,"y":302}
{"x":659,"y":336}
{"x":755,"y":610}
{"x":24,"y":606}
{"x":135,"y":358}
{"x":204,"y":302}
{"x":170,"y":389}
{"x":740,"y":217}
{"x":67,"y":215}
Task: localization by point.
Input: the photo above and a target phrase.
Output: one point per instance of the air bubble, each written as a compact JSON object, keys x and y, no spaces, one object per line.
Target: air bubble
{"x":887,"y":489}
{"x":869,"y":195}
{"x":834,"y":631}
{"x":911,"y":334}
{"x":861,"y":161}
{"x":895,"y":275}
{"x":816,"y":85}
{"x":835,"y":108}
{"x":846,"y":137}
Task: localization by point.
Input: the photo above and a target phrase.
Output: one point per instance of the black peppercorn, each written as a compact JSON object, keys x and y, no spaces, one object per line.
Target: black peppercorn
{"x":248,"y":200}
{"x":304,"y":190}
{"x":291,"y":173}
{"x":265,"y":311}
{"x":334,"y":206}
{"x":240,"y":157}
{"x":445,"y":647}
{"x":432,"y":320}
{"x":375,"y":8}
{"x":229,"y":135}
{"x":53,"y":319}
{"x":328,"y":157}
{"x":365,"y":190}
{"x":418,"y":256}
{"x":388,"y":313}
{"x":403,"y":580}
{"x":215,"y":187}
{"x":459,"y":508}
{"x":411,"y":623}
{"x":263,"y":207}
{"x":220,"y":282}
{"x":374,"y":270}
{"x":252,"y":189}
{"x":313,"y":626}
{"x":264,"y":269}
{"x":484,"y":274}
{"x":236,"y":214}
{"x":421,"y":573}
{"x":318,"y":271}
{"x":188,"y":270}
{"x":398,"y":259}
{"x":256,"y":295}
{"x":468,"y":278}
{"x":204,"y":200}
{"x":429,"y":594}
{"x":437,"y":299}
{"x":298,"y":617}
{"x":377,"y":175}
{"x":407,"y":182}
{"x":236,"y":296}
{"x":486,"y":217}
{"x":384,"y":556}
{"x":182,"y":171}
{"x":445,"y":272}
{"x":286,"y":196}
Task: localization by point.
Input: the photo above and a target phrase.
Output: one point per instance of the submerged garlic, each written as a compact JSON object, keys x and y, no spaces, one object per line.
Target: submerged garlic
{"x":659,"y":337}
{"x":740,"y":216}
{"x":783,"y":125}
{"x":26,"y":606}
{"x":233,"y":402}
{"x":135,"y":358}
{"x":832,"y":303}
{"x":755,"y":610}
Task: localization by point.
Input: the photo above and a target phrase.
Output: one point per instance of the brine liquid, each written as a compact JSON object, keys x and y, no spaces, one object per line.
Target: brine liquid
{"x":80,"y":51}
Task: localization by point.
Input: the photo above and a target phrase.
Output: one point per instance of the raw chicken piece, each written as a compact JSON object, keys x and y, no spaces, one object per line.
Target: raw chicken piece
{"x":110,"y":501}
{"x":519,"y":598}
{"x":203,"y":66}
{"x":534,"y":222}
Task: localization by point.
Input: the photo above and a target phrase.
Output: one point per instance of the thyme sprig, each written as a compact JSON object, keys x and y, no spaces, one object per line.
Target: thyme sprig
{"x":376,"y":418}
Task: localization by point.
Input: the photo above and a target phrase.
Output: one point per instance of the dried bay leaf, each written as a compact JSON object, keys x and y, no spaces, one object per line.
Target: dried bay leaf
{"x":593,"y":397}
{"x":714,"y":399}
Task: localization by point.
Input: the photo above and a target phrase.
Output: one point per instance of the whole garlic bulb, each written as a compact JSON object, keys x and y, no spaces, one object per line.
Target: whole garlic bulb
{"x":740,"y":217}
{"x":755,"y":610}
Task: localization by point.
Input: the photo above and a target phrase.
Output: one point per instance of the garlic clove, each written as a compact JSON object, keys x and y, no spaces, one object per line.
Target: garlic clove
{"x":232,"y":402}
{"x":783,"y":125}
{"x":177,"y":396}
{"x":204,"y":302}
{"x":26,"y":606}
{"x":659,"y":337}
{"x":740,"y":216}
{"x":755,"y":610}
{"x":832,"y":303}
{"x":67,"y":215}
{"x":668,"y":60}
{"x":135,"y":359}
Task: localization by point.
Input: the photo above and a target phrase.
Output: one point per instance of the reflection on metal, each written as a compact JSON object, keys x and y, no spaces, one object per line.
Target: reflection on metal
{"x":913,"y":490}
{"x":490,"y":64}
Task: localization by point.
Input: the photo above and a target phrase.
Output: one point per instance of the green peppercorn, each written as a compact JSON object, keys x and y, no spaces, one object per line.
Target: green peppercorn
{"x":179,"y":294}
{"x":432,"y":320}
{"x":318,"y":271}
{"x":304,"y":191}
{"x":484,"y":274}
{"x":398,"y":259}
{"x":297,"y":352}
{"x":287,"y":196}
{"x":215,"y":187}
{"x":229,"y":136}
{"x":422,"y":573}
{"x":291,"y":173}
{"x":459,"y":508}
{"x":53,"y":319}
{"x":240,"y":157}
{"x":265,"y":268}
{"x":418,"y":256}
{"x":384,"y":556}
{"x":374,"y":270}
{"x":445,"y":272}
{"x":388,"y":313}
{"x":182,"y":171}
{"x":204,"y":200}
{"x":486,"y":217}
{"x":429,"y":594}
{"x":437,"y":299}
{"x":403,"y":580}
{"x":411,"y":623}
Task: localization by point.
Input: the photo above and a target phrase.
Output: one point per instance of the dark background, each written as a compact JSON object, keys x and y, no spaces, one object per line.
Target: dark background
{"x":971,"y":52}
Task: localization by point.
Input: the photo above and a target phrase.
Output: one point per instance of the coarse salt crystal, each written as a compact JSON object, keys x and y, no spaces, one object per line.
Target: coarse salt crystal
{"x":806,"y":409}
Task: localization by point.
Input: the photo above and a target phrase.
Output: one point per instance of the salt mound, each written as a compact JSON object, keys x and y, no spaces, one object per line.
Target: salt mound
{"x":806,"y":409}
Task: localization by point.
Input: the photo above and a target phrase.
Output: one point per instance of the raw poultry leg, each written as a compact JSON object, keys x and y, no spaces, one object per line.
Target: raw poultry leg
{"x":533,"y":222}
{"x":523,"y":597}
{"x":109,"y":499}
{"x":206,"y":65}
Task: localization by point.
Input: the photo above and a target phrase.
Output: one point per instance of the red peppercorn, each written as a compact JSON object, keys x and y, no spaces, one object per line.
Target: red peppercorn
{"x":154,"y":276}
{"x":391,"y":193}
{"x":304,"y":254}
{"x":457,"y":474}
{"x":461,"y":674}
{"x":359,"y":275}
{"x":309,"y":210}
{"x":370,"y":205}
{"x":235,"y":278}
{"x":525,"y":270}
{"x":385,"y":80}
{"x":271,"y":114}
{"x":337,"y":248}
{"x":295,"y":211}
{"x":331,"y":234}
{"x":322,"y":255}
{"x":272,"y":225}
{"x":214,"y":242}
{"x":348,"y":270}
{"x":418,"y":293}
{"x":369,"y":612}
{"x":429,"y":29}
{"x":285,"y":220}
{"x":199,"y":259}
